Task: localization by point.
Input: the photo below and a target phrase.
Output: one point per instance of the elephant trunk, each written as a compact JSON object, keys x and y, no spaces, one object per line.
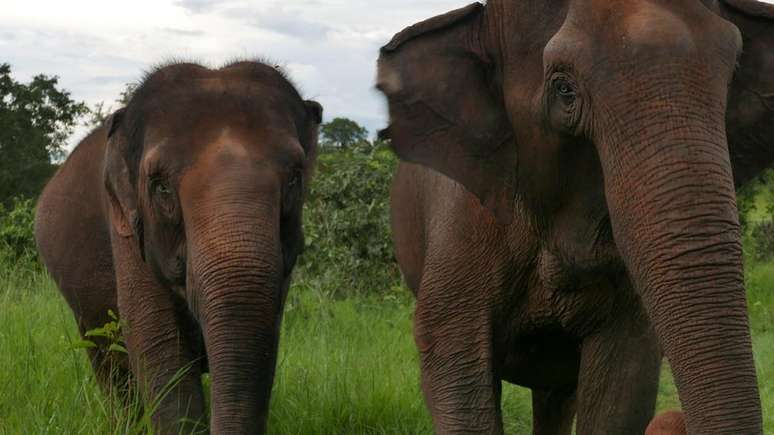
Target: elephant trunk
{"x":670,"y":192}
{"x":235,"y":288}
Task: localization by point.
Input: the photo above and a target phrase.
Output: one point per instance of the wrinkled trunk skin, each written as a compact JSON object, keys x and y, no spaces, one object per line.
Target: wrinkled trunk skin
{"x":672,"y":205}
{"x":235,"y":284}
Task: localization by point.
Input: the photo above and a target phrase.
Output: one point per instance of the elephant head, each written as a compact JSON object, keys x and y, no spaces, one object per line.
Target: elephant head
{"x":205,"y":173}
{"x":751,"y":94}
{"x":606,"y":122}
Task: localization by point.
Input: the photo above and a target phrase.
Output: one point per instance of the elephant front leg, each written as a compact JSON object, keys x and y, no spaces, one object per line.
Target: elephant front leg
{"x":619,"y":375}
{"x":163,"y":359}
{"x":553,"y":411}
{"x":455,"y":347}
{"x":162,"y":355}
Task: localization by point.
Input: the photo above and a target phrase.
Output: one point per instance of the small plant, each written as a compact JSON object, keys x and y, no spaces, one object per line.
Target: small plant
{"x":110,"y":332}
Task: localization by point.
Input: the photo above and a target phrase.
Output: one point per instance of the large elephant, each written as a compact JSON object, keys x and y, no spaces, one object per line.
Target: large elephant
{"x":183,"y":214}
{"x":580,"y":213}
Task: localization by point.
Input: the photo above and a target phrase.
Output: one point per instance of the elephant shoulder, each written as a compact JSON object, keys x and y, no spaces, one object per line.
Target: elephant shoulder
{"x":437,"y":23}
{"x":755,"y":8}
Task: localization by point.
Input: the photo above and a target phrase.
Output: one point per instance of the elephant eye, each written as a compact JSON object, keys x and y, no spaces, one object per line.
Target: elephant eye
{"x":294,"y":181}
{"x":563,"y":104}
{"x":163,"y":199}
{"x":292,"y":192}
{"x":564,"y":89}
{"x":159,"y":187}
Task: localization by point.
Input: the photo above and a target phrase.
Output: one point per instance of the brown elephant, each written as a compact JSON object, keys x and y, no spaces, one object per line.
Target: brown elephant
{"x":183,"y":214}
{"x":582,"y":216}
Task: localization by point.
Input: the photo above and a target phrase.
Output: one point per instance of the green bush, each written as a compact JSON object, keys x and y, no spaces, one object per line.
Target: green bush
{"x":17,"y":238}
{"x":347,"y":223}
{"x":762,"y":240}
{"x":756,"y":214}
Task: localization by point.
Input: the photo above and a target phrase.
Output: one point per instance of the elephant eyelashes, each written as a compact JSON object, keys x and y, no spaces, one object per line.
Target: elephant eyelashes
{"x":162,"y":197}
{"x":565,"y":90}
{"x":294,"y":180}
{"x":292,"y":192}
{"x":562,"y":105}
{"x":160,"y":188}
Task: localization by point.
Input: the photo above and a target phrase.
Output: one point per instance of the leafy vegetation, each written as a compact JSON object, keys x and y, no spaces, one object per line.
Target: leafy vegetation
{"x":346,"y":223}
{"x":756,"y":209}
{"x":36,"y":119}
{"x":17,"y":241}
{"x":100,"y":112}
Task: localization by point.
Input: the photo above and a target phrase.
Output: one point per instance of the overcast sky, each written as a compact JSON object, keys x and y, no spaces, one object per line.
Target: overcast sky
{"x":96,"y":46}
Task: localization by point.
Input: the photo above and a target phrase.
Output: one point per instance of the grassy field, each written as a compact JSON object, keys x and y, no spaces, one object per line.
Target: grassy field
{"x":346,"y":367}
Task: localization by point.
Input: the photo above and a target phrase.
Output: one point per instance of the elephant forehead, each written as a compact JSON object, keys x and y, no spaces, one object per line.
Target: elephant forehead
{"x":226,"y":148}
{"x":652,"y":24}
{"x":187,"y":149}
{"x":233,"y":147}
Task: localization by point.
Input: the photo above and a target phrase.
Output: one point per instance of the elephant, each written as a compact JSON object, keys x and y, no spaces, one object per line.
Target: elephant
{"x":182,"y":213}
{"x":564,"y":208}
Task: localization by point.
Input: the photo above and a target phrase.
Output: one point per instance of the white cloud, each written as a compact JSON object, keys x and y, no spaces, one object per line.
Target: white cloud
{"x":96,"y":46}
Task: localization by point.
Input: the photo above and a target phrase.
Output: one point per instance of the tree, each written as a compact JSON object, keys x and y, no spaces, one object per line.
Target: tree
{"x":99,"y":113}
{"x":35,"y":121}
{"x":343,"y":133}
{"x":347,"y":223}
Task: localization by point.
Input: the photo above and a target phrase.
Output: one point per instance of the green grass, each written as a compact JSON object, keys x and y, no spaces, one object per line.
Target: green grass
{"x":345,"y":367}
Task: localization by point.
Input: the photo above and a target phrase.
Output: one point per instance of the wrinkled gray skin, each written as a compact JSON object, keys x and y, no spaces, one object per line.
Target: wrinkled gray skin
{"x":565,"y":206}
{"x":183,"y":215}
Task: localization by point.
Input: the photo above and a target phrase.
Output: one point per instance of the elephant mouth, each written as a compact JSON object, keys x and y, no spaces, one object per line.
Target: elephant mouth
{"x":569,"y":275}
{"x":572,"y":268}
{"x":604,"y":251}
{"x":175,"y":270}
{"x":604,"y":232}
{"x":179,"y":291}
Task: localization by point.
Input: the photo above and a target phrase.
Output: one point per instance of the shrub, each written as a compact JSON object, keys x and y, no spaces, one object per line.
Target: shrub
{"x":755,"y":201}
{"x":17,"y":238}
{"x":762,"y":239}
{"x":347,"y":223}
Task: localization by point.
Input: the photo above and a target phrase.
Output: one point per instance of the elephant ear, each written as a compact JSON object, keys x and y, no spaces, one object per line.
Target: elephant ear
{"x":750,"y":120}
{"x":756,"y":8}
{"x":445,"y":112}
{"x":314,"y":112}
{"x":124,"y":214}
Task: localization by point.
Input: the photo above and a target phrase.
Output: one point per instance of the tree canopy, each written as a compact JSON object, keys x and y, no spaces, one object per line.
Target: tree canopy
{"x":36,"y":118}
{"x":342,"y":133}
{"x":99,"y":113}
